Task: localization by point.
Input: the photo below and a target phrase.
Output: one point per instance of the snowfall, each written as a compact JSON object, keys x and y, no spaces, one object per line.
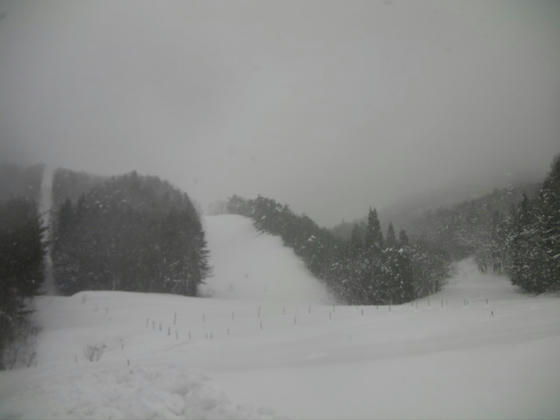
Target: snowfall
{"x":267,"y":341}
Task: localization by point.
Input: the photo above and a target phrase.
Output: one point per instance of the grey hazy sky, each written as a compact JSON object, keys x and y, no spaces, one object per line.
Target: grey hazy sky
{"x":328,"y":106}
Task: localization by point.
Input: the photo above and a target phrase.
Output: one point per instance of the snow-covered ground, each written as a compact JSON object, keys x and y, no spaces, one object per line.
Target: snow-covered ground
{"x":478,"y":349}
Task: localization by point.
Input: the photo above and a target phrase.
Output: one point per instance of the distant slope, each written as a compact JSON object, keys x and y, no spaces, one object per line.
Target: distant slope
{"x":470,"y":285}
{"x":247,"y":264}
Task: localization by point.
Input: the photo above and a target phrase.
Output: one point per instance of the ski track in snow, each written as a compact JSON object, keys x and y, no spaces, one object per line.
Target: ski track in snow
{"x":478,"y":349}
{"x":45,"y":209}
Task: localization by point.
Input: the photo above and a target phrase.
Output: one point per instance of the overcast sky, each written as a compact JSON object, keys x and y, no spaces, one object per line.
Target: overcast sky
{"x":328,"y":106}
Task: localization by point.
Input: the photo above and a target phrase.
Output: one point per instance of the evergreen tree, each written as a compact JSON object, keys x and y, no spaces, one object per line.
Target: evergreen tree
{"x":356,"y":241}
{"x":398,"y":284}
{"x":375,"y":281}
{"x":498,"y":242}
{"x":403,"y":238}
{"x":524,"y":248}
{"x":374,"y":236}
{"x":391,"y":240}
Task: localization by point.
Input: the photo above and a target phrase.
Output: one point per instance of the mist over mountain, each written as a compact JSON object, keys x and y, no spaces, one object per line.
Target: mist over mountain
{"x":19,"y":181}
{"x":328,"y":106}
{"x":408,"y":212}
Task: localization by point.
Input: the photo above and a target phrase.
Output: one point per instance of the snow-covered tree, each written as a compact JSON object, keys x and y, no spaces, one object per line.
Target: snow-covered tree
{"x":129,"y":233}
{"x":374,"y":235}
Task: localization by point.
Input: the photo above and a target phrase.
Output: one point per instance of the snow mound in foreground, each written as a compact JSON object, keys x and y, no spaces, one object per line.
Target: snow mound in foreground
{"x":132,"y":393}
{"x":247,"y":264}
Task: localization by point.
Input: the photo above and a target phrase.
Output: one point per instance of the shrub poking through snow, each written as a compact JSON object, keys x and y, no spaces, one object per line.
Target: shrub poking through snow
{"x":93,"y":352}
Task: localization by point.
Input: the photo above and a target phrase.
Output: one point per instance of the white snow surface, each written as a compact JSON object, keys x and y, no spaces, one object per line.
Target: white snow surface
{"x":252,"y":265}
{"x":478,"y":349}
{"x":45,"y":205}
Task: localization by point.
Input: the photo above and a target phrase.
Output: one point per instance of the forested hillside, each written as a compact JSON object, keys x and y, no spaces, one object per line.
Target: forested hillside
{"x":474,"y":227}
{"x":513,"y":231}
{"x":532,"y":241}
{"x":130,"y":232}
{"x":369,"y":268}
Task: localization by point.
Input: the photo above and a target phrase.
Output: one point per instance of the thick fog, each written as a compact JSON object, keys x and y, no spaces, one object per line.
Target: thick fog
{"x":328,"y":106}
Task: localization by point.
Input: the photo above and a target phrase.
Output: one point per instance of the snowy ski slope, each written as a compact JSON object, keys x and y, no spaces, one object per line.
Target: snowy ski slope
{"x":251,"y":265}
{"x":478,"y":349}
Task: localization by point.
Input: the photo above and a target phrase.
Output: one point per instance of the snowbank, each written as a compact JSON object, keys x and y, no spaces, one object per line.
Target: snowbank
{"x":133,"y":392}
